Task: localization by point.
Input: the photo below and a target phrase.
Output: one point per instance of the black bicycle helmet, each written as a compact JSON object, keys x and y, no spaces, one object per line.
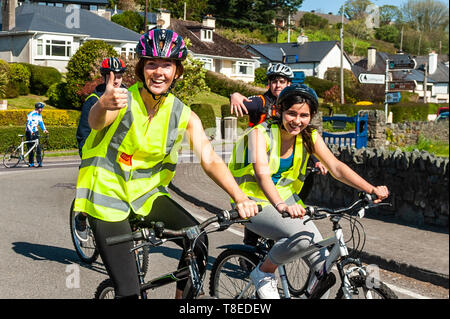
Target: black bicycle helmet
{"x":113,"y":64}
{"x":39,"y":105}
{"x":301,"y":90}
{"x":279,"y":69}
{"x":162,"y":44}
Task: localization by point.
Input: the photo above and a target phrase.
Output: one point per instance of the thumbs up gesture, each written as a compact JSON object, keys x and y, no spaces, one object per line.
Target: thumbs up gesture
{"x":113,"y":98}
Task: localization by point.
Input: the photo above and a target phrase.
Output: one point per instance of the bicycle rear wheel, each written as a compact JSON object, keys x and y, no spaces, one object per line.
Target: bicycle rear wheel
{"x":86,"y":250}
{"x":363,"y":290}
{"x":230,"y":275}
{"x":12,"y":157}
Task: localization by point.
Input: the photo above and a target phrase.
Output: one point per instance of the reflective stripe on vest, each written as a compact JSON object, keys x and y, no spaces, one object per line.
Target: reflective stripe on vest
{"x":290,"y":182}
{"x":127,"y":165}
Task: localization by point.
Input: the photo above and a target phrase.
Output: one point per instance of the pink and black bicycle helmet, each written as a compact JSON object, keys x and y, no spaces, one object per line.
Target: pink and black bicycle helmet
{"x":113,"y":64}
{"x":161,"y":44}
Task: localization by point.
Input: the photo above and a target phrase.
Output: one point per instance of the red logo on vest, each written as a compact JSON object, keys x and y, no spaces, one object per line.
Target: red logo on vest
{"x":125,"y":159}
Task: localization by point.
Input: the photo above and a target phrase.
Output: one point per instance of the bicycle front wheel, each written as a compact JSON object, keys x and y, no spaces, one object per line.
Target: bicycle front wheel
{"x":11,"y":157}
{"x":85,"y":249}
{"x":365,"y":289}
{"x":297,"y":275}
{"x":230,"y":275}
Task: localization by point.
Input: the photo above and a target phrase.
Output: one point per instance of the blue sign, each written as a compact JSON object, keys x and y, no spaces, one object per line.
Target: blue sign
{"x":299,"y":77}
{"x":393,"y":97}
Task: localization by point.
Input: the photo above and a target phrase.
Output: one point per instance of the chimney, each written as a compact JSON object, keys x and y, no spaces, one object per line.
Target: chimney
{"x":432,"y":62}
{"x":8,"y":14}
{"x":209,"y":21}
{"x":371,"y":58}
{"x":163,"y":19}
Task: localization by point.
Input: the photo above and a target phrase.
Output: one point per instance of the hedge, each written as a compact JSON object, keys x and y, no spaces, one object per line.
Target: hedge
{"x":68,"y":118}
{"x":222,"y":85}
{"x":60,"y":138}
{"x":42,"y":77}
{"x":206,"y":114}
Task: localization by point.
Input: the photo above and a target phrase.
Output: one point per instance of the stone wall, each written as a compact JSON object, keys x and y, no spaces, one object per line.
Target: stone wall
{"x":418,"y":183}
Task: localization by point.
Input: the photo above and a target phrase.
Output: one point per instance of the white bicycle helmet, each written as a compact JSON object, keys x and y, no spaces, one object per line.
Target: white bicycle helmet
{"x":279,"y":69}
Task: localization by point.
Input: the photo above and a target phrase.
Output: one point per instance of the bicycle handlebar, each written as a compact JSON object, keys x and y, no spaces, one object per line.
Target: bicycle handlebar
{"x":158,"y":230}
{"x":365,"y":200}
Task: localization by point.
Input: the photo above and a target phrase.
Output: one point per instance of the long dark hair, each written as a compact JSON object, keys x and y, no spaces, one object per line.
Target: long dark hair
{"x":306,"y":133}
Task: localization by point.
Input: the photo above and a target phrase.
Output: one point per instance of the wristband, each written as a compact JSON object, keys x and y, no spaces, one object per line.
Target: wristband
{"x":276,"y":205}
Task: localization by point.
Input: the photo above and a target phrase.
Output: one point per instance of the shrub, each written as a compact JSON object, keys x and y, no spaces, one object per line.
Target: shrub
{"x":19,"y":77}
{"x":83,"y":67}
{"x":319,"y":85}
{"x":260,"y":76}
{"x":206,"y":114}
{"x":68,"y":118}
{"x":42,"y":77}
{"x":224,"y":86}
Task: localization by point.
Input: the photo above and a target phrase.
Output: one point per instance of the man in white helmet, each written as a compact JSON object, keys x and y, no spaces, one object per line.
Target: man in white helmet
{"x":258,"y":107}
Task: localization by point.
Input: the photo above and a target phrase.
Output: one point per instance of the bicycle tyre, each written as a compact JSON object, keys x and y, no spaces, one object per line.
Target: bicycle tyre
{"x":230,"y":274}
{"x":87,"y":251}
{"x":12,"y":157}
{"x":105,"y":290}
{"x":297,"y":275}
{"x":363,"y":290}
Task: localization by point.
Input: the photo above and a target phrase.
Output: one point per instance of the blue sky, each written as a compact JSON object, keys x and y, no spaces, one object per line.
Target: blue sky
{"x":325,"y":6}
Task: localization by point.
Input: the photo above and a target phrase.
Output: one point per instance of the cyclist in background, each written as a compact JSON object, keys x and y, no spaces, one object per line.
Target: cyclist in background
{"x":117,"y":66}
{"x":131,"y":154}
{"x":261,"y":107}
{"x":34,"y":119}
{"x":111,"y":64}
{"x":273,"y":180}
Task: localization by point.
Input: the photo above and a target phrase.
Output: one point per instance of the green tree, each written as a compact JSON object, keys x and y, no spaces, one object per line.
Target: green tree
{"x":388,"y":33}
{"x":309,"y":20}
{"x":130,"y":20}
{"x":389,"y":14}
{"x":356,"y":9}
{"x":426,"y":15}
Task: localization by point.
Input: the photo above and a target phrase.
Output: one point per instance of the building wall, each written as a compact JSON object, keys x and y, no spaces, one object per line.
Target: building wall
{"x":332,"y":60}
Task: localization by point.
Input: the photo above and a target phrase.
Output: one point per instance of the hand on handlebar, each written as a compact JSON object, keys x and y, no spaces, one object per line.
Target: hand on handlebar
{"x":293,"y":211}
{"x":247,"y":208}
{"x":381,"y":192}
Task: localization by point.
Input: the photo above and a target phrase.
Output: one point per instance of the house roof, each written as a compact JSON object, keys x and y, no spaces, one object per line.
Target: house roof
{"x":33,"y":17}
{"x":440,"y":75}
{"x":220,"y":46}
{"x":306,"y":52}
{"x":96,"y":2}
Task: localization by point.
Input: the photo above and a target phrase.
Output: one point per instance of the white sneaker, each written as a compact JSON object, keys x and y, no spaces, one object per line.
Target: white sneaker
{"x":265,"y":283}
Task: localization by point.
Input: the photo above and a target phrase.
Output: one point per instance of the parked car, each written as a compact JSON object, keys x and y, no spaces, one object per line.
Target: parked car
{"x":442,"y":116}
{"x":441,"y":110}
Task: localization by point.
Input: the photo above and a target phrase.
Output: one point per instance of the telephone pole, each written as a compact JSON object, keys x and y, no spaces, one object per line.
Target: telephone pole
{"x":342,"y":55}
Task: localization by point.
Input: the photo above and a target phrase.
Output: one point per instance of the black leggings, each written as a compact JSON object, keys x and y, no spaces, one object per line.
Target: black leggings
{"x":120,"y":263}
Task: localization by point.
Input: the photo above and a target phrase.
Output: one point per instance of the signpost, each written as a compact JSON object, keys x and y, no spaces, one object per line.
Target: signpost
{"x":299,"y":77}
{"x":402,"y":63}
{"x":367,"y":78}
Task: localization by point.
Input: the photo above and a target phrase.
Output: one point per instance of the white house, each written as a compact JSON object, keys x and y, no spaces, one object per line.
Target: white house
{"x":217,"y":53}
{"x":313,"y":58}
{"x":50,"y":35}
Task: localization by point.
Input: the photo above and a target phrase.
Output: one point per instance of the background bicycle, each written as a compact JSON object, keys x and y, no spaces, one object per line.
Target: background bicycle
{"x":231,"y":270}
{"x":16,"y":153}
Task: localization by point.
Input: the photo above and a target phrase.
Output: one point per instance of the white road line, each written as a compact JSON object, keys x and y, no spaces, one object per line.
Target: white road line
{"x":406,"y":292}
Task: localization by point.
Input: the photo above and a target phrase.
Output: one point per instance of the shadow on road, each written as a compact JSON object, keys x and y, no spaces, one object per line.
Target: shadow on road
{"x":61,"y":255}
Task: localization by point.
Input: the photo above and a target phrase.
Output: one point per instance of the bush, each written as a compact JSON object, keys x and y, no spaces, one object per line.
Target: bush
{"x":206,"y":114}
{"x":319,"y":85}
{"x":42,"y":77}
{"x":19,"y":77}
{"x":60,"y":138}
{"x":224,"y":86}
{"x":84,"y":67}
{"x":260,"y":76}
{"x":68,"y":118}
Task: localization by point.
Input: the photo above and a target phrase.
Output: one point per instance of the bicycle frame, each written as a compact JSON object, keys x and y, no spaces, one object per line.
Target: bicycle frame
{"x":35,"y":142}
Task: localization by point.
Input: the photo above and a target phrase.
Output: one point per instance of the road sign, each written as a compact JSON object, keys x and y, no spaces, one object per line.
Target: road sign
{"x":402,"y":86}
{"x":299,"y":77}
{"x":393,"y":97}
{"x":367,"y":78}
{"x":402,"y":63}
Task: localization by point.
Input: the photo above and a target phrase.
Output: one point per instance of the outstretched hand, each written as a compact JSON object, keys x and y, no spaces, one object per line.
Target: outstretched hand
{"x":113,"y":98}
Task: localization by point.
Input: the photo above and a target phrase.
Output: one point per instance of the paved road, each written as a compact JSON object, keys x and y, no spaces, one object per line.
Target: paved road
{"x":37,"y":259}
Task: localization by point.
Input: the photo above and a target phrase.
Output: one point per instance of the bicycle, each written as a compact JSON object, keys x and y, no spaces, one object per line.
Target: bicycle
{"x":230,"y":280}
{"x":157,"y":235}
{"x":15,"y":154}
{"x":87,"y":250}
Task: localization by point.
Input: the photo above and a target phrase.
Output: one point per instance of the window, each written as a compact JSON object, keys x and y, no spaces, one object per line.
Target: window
{"x":244,"y":68}
{"x":206,"y":35}
{"x":57,"y":48}
{"x":207,"y":63}
{"x":40,"y":47}
{"x":93,"y":7}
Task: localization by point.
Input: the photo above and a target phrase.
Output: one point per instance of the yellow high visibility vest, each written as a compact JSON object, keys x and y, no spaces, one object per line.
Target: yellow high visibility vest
{"x":128,"y":164}
{"x":291,"y":181}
